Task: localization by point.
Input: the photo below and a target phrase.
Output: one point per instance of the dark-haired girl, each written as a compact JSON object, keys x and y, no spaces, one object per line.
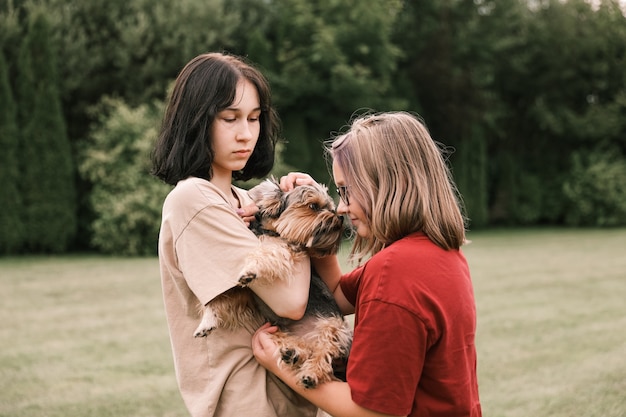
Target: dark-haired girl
{"x":219,"y":125}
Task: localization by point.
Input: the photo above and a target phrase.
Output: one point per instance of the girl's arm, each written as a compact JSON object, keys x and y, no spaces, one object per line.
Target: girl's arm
{"x":329,"y":270}
{"x":334,"y":397}
{"x":286,"y":298}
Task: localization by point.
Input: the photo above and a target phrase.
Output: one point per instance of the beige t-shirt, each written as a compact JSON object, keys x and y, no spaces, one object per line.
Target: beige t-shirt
{"x":202,"y":245}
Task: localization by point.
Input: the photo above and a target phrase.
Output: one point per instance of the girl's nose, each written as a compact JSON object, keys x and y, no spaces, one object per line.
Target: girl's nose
{"x":244,"y":135}
{"x":341,"y":207}
{"x":245,"y":132}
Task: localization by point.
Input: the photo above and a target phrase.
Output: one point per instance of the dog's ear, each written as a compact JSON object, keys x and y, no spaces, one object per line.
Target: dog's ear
{"x":258,"y":192}
{"x":269,"y":198}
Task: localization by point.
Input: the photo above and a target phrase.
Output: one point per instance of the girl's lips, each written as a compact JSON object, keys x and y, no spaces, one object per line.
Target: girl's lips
{"x":244,"y":152}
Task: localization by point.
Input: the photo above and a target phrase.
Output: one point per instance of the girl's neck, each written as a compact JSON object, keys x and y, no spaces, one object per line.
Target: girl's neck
{"x":223,"y":183}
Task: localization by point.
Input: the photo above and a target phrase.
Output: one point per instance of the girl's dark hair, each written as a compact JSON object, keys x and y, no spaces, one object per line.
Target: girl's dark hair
{"x":204,"y":87}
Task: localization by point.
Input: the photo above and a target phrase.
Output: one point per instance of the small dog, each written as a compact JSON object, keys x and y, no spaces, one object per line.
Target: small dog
{"x":290,"y":225}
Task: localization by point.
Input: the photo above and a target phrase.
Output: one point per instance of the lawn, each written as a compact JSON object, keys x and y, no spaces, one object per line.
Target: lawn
{"x":86,"y":335}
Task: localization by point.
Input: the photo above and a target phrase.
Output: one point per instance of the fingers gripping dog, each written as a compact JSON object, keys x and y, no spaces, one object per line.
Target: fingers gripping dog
{"x":290,"y":224}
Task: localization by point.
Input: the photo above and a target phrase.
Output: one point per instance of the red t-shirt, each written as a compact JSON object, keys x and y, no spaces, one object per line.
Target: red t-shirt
{"x":415,"y":321}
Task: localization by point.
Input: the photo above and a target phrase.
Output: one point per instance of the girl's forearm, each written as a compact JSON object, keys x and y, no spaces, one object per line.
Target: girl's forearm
{"x":329,"y":270}
{"x":334,"y":397}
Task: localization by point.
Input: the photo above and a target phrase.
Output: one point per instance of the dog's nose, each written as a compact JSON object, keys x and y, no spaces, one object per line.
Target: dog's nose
{"x":336,"y":223}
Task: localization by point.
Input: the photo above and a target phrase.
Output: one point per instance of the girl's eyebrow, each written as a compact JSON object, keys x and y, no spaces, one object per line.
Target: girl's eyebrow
{"x":238,"y":109}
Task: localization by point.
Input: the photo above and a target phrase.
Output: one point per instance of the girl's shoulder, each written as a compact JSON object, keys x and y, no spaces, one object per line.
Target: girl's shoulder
{"x":196,"y":190}
{"x":410,"y":245}
{"x":193,"y":195}
{"x":413,"y":254}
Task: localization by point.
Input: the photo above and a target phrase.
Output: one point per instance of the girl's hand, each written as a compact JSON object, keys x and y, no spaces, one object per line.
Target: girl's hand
{"x":293,"y":179}
{"x":247,"y":213}
{"x":264,"y":349}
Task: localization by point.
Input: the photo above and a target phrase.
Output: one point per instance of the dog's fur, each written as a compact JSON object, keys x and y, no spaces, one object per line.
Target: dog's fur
{"x":290,"y":225}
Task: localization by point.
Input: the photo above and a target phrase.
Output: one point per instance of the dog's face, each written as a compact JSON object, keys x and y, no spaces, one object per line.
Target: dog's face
{"x":305,"y":216}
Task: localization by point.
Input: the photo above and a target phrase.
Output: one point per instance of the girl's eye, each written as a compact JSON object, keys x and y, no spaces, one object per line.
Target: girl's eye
{"x":234,"y":119}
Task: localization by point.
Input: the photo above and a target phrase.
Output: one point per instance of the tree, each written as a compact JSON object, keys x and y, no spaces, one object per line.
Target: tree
{"x":516,"y":88}
{"x":131,"y":49}
{"x":559,"y":87}
{"x":446,"y":62}
{"x":329,"y":59}
{"x":11,"y":231}
{"x":47,"y":174}
{"x":521,"y":91}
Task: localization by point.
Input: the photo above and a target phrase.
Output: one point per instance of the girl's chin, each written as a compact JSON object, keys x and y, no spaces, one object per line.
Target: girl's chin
{"x":362,"y":231}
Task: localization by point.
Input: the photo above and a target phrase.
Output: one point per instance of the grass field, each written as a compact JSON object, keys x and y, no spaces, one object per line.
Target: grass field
{"x":86,"y":336}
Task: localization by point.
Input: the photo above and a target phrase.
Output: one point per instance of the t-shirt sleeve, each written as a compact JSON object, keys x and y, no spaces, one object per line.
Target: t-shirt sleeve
{"x":387,"y":339}
{"x":211,"y":250}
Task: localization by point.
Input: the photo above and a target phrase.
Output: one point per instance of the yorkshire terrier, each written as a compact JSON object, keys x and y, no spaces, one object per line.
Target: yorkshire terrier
{"x":301,"y":222}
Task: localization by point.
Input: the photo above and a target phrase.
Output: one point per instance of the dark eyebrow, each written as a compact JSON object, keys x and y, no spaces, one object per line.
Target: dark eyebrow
{"x":236,"y":109}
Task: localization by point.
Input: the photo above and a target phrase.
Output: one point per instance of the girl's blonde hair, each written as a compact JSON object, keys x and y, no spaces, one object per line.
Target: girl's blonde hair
{"x":399,"y":176}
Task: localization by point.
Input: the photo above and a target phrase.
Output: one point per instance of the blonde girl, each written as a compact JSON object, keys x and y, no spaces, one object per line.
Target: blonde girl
{"x":414,"y":351}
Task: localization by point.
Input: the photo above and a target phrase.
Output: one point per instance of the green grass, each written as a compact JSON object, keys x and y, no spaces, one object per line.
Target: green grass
{"x":86,"y":336}
{"x":551,"y":322}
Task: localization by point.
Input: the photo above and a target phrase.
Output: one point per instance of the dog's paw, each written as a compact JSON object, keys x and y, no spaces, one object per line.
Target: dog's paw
{"x":308,"y":382}
{"x":202,"y":331}
{"x":246,"y":279}
{"x":289,"y":356}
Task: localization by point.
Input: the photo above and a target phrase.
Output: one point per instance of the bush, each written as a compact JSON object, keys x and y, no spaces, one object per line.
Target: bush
{"x":596,"y":189}
{"x":125,"y":198}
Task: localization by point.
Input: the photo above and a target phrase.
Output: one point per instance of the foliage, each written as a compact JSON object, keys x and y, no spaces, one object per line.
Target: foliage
{"x":46,"y":164}
{"x":125,"y":198}
{"x":470,"y":175}
{"x":565,"y":66}
{"x":524,"y":92}
{"x":11,"y":230}
{"x":131,"y":48}
{"x":330,"y":58}
{"x":596,"y":190}
{"x":445,"y":62}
